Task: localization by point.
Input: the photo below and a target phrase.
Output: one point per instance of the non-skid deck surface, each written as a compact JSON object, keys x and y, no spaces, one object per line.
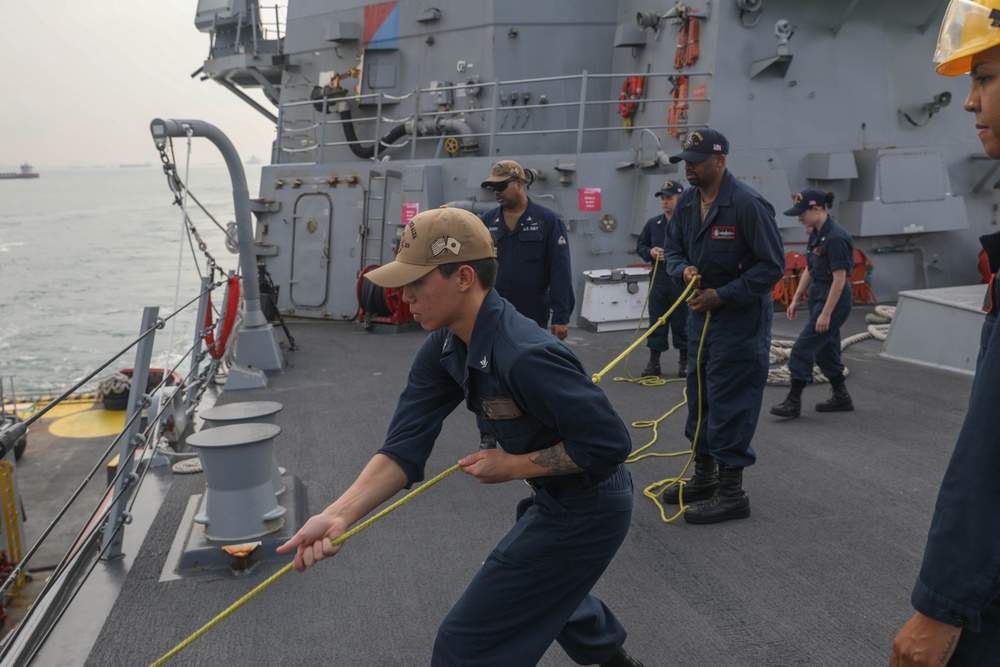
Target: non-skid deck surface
{"x":819,"y":575}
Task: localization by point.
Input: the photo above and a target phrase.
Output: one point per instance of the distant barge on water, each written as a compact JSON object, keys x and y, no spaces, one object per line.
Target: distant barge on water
{"x":27,"y":171}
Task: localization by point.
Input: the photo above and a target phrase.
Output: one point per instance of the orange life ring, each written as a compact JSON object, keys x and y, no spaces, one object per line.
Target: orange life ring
{"x":228,"y":319}
{"x":632,"y":90}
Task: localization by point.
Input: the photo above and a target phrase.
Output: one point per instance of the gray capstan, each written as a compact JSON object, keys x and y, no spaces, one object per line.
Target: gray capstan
{"x":239,"y":502}
{"x":249,"y":412}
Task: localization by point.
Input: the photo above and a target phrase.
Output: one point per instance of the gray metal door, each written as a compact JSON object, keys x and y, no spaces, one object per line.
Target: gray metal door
{"x":311,"y":250}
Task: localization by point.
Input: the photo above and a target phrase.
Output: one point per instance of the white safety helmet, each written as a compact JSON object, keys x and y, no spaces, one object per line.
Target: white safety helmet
{"x":969,"y":26}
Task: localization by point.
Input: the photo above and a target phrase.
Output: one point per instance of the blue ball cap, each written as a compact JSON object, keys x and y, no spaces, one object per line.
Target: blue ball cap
{"x":805,"y":200}
{"x":702,"y":144}
{"x":669,"y":189}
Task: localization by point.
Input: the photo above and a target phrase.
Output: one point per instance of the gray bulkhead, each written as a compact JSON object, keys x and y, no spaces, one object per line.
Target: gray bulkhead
{"x":840,"y":96}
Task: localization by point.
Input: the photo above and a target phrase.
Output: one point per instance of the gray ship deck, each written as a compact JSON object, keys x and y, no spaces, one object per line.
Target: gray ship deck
{"x":819,"y":575}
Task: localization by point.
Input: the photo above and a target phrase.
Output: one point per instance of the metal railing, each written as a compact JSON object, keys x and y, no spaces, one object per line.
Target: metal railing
{"x":101,"y":536}
{"x":485,"y":124}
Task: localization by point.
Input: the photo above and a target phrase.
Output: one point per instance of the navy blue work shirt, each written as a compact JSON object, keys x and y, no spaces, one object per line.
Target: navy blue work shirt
{"x":652,"y":236}
{"x":526,"y":388}
{"x":534,"y":272}
{"x":737,"y":249}
{"x":829,"y":248}
{"x":960,"y":574}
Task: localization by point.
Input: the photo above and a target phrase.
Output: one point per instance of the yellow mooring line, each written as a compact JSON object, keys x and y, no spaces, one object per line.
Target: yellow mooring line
{"x":285,"y":570}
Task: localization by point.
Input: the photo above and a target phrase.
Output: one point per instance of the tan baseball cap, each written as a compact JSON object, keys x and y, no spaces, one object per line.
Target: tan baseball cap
{"x":503,"y":170}
{"x":432,"y":238}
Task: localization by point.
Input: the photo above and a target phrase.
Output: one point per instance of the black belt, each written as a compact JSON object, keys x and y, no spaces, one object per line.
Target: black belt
{"x":559,"y":486}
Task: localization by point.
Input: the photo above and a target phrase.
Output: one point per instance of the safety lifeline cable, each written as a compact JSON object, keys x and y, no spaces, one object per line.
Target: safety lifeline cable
{"x":285,"y":570}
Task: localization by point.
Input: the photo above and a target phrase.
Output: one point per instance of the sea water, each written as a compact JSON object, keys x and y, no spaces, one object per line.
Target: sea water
{"x":83,"y":251}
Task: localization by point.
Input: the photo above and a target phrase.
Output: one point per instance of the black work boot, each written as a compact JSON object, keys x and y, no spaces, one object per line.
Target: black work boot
{"x":729,"y":502}
{"x":653,"y":367}
{"x":703,"y":485}
{"x":792,"y":405}
{"x":840,"y":400}
{"x":682,"y":364}
{"x":622,"y":659}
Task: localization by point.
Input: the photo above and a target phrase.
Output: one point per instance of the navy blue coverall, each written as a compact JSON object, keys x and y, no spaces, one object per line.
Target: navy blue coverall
{"x":829,"y":248}
{"x":665,"y":289}
{"x":531,"y":392}
{"x":959,"y":581}
{"x":739,"y":253}
{"x":534,"y":272}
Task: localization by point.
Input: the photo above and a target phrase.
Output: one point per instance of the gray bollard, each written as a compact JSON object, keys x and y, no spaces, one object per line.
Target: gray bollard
{"x":247,"y":412}
{"x":239,"y":501}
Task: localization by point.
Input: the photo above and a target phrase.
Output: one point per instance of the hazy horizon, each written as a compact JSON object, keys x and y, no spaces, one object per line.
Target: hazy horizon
{"x":88,"y":78}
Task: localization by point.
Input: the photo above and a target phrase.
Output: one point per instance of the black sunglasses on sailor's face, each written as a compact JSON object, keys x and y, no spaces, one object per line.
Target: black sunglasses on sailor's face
{"x":501,"y":186}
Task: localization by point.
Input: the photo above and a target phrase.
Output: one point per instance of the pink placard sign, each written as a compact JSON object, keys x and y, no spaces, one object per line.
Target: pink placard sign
{"x":590,"y":199}
{"x":410,"y":209}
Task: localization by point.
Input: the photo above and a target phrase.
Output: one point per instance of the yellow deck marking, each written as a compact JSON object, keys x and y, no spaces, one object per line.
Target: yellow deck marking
{"x":92,"y":423}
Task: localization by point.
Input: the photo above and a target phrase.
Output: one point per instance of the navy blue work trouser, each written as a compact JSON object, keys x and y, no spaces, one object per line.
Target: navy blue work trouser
{"x":663,"y":293}
{"x":823,"y":349}
{"x":535,"y":585}
{"x":734,"y":361}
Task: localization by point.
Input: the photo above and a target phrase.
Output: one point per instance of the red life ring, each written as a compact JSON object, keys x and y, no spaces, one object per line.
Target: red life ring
{"x":632,"y":90}
{"x":229,"y":309}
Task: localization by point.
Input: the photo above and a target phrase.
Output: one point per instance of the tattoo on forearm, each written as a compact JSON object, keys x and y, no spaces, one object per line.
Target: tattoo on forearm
{"x":948,"y":650}
{"x":556,"y":461}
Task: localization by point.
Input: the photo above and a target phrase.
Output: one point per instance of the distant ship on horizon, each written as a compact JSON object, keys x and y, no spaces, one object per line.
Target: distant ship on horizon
{"x":136,"y":166}
{"x":253,"y":160}
{"x":27,"y":171}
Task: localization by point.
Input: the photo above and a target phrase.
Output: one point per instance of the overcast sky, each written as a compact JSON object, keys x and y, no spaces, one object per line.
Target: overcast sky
{"x":83,"y":79}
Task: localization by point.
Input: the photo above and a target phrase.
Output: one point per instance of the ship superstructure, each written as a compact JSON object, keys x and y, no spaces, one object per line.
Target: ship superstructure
{"x":591,"y":97}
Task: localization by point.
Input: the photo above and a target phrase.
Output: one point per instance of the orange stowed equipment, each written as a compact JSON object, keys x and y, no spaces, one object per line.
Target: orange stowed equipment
{"x":632,"y":90}
{"x":861,"y":279}
{"x":984,"y":268}
{"x":677,"y":115}
{"x":784,"y":289}
{"x":687,"y":40}
{"x":229,"y":311}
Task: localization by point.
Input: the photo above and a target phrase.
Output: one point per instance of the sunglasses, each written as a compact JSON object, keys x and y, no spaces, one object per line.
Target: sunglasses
{"x":502,"y":185}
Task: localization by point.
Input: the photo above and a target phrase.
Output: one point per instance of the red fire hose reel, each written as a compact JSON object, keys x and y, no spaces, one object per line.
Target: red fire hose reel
{"x":381,"y":305}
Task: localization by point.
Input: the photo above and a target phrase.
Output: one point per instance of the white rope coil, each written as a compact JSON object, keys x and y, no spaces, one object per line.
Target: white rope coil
{"x":188,"y":466}
{"x":781,"y":349}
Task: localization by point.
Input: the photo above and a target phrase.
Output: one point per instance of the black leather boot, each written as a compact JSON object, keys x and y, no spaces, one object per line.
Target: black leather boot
{"x":792,"y":405}
{"x":653,"y":367}
{"x":622,"y":659}
{"x":840,"y":400}
{"x":682,"y":364}
{"x":704,"y":482}
{"x":729,"y":502}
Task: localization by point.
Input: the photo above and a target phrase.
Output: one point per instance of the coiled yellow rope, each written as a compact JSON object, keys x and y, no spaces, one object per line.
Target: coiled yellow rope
{"x":285,"y":570}
{"x":657,"y":489}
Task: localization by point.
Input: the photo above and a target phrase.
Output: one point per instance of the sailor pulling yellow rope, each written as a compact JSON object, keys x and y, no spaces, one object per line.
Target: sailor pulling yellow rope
{"x":353,"y":531}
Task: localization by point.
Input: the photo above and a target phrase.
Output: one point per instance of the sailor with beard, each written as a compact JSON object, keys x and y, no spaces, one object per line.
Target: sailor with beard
{"x":725,"y":238}
{"x":532,"y":250}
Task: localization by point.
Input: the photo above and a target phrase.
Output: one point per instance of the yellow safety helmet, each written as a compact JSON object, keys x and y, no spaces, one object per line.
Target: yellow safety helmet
{"x":969,"y":26}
